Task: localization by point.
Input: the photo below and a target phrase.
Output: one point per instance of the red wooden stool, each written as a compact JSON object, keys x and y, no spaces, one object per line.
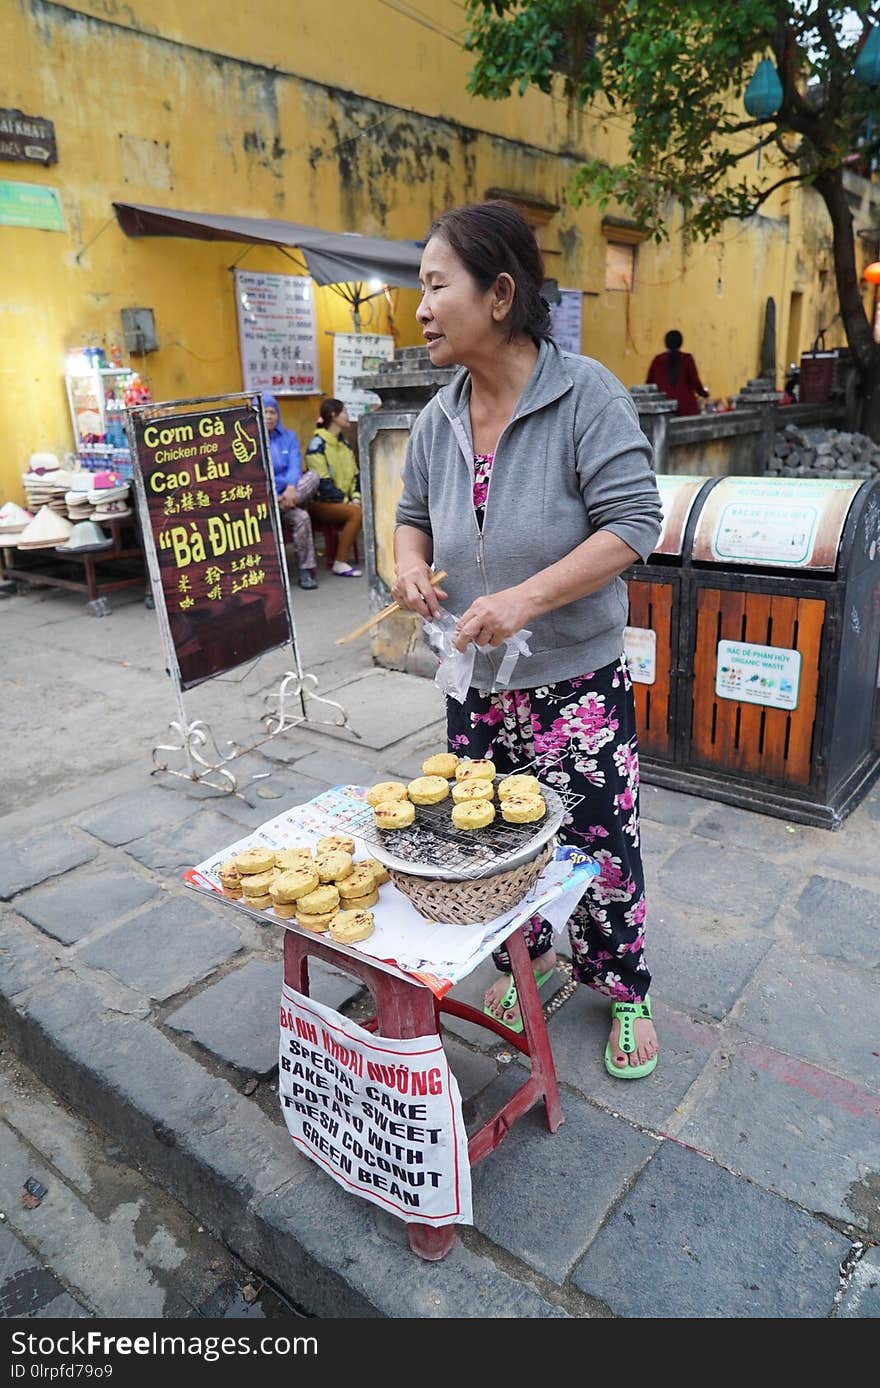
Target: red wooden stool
{"x":405,"y":1008}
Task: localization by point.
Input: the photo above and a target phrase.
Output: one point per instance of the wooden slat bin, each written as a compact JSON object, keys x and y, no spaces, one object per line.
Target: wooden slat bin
{"x":652,"y":634}
{"x":779,"y":637}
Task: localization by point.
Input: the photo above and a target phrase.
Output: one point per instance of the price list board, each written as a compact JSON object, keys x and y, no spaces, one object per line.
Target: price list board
{"x":276,"y":333}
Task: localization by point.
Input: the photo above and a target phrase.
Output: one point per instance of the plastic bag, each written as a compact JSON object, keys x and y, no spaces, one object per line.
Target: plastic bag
{"x":456,"y":668}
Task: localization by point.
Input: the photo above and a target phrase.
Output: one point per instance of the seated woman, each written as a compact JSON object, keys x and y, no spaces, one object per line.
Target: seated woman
{"x":339,"y":498}
{"x":295,"y":489}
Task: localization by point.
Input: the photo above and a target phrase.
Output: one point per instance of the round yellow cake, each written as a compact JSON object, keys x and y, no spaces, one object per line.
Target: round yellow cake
{"x":379,"y":870}
{"x":317,"y":924}
{"x":294,"y":883}
{"x":359,"y":881}
{"x":441,"y":764}
{"x":332,"y":867}
{"x":481,"y":767}
{"x":386,"y":790}
{"x":428,"y":790}
{"x":393,"y":814}
{"x":523,"y":809}
{"x":361,"y":903}
{"x":473,"y":814}
{"x":254,"y":860}
{"x":258,"y":883}
{"x":334,"y":841}
{"x":229,"y":874}
{"x":294,"y":857}
{"x":475,"y":788}
{"x":317,"y":903}
{"x":350,"y":926}
{"x":518,"y":785}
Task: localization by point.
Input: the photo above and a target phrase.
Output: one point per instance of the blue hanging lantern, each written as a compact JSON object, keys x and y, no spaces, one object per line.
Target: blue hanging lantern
{"x":867,"y":69}
{"x":867,"y":66}
{"x":763,"y":95}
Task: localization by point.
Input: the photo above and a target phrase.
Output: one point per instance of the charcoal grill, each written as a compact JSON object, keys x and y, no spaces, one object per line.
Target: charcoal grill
{"x":433,"y":847}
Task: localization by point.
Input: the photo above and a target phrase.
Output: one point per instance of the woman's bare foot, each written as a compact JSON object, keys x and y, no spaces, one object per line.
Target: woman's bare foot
{"x":646,"y":1043}
{"x":494,"y":995}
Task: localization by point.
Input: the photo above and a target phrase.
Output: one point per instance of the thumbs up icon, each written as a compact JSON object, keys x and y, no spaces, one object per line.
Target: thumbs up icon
{"x":243,"y":446}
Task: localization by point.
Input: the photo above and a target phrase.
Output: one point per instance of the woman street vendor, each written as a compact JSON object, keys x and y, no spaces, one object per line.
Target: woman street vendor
{"x":528,"y":480}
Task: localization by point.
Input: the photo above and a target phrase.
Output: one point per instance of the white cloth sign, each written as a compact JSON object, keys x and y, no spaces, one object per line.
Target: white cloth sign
{"x":354,"y":354}
{"x":381,"y":1116}
{"x":276,"y":333}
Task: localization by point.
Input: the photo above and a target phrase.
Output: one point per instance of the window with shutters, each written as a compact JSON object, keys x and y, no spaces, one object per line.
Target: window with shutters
{"x":620,"y":266}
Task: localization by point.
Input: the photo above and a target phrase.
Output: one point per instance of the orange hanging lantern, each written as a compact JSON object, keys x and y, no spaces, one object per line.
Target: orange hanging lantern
{"x":871,"y":272}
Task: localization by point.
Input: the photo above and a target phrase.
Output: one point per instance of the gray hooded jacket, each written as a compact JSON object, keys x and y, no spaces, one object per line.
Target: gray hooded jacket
{"x":572,"y":461}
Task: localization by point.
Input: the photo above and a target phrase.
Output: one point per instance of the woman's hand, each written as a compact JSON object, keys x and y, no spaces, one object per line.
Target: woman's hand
{"x":412,"y":590}
{"x":490,"y":620}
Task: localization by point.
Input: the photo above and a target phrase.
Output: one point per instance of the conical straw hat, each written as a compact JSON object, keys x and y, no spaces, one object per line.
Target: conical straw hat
{"x":87,"y":535}
{"x":13,"y":518}
{"x":45,"y":531}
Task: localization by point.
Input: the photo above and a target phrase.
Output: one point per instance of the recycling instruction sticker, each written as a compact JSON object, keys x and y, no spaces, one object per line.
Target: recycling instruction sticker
{"x":752,"y":674}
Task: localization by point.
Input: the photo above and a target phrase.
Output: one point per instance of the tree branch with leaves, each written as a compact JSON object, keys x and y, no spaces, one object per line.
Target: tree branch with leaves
{"x":678,"y":74}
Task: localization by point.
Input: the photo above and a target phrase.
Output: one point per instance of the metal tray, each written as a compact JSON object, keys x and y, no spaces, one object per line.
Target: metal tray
{"x":433,"y":847}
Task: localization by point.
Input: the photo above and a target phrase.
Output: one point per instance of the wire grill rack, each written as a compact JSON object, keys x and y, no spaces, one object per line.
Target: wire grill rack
{"x":432,"y":846}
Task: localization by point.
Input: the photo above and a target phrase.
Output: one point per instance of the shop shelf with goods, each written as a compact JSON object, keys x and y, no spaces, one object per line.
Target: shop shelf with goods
{"x":99,"y":395}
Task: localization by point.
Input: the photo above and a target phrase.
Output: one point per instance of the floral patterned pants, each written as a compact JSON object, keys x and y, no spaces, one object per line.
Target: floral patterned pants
{"x":298,"y":522}
{"x":579,"y":736}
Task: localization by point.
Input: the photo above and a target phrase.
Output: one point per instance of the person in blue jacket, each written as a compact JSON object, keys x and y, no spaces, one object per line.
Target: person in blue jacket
{"x":295,"y":489}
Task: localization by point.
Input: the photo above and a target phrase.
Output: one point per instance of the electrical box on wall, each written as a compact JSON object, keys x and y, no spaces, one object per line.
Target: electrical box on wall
{"x":139,"y":327}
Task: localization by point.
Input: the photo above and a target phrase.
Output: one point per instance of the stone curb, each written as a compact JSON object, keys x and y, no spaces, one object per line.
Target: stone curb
{"x":217,"y":1153}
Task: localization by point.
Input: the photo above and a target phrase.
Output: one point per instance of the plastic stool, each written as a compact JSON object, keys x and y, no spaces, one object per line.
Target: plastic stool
{"x":330,"y":534}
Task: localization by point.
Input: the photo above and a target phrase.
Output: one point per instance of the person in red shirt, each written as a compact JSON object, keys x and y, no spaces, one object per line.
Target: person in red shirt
{"x":675,"y":373}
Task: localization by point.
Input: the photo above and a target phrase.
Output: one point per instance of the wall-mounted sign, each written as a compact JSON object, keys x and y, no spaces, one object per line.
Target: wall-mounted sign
{"x":640,"y":649}
{"x":209,"y":515}
{"x":276,"y":333}
{"x":353,"y":354}
{"x":777,"y":521}
{"x":752,"y":674}
{"x":565,"y":320}
{"x":30,"y":205}
{"x":28,"y":139}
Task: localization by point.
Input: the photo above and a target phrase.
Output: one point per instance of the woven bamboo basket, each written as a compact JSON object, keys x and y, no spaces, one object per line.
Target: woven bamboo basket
{"x":477,"y":899}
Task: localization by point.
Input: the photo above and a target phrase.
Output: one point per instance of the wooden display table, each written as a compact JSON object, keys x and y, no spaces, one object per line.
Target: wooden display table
{"x":95,"y":572}
{"x":412,"y":964}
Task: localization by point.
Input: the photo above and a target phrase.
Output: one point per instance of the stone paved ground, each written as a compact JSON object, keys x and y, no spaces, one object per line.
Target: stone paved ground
{"x":96,"y":1224}
{"x":742,"y":1179}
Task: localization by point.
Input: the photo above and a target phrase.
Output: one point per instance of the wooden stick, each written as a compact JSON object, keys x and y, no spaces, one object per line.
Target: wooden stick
{"x":380,"y":616}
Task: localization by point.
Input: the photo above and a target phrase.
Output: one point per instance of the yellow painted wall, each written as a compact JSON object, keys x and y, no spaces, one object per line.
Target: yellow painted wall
{"x":352,"y":115}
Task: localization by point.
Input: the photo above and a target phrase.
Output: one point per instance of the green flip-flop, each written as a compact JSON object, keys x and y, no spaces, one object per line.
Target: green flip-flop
{"x":627,"y":1014}
{"x":511,"y":998}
